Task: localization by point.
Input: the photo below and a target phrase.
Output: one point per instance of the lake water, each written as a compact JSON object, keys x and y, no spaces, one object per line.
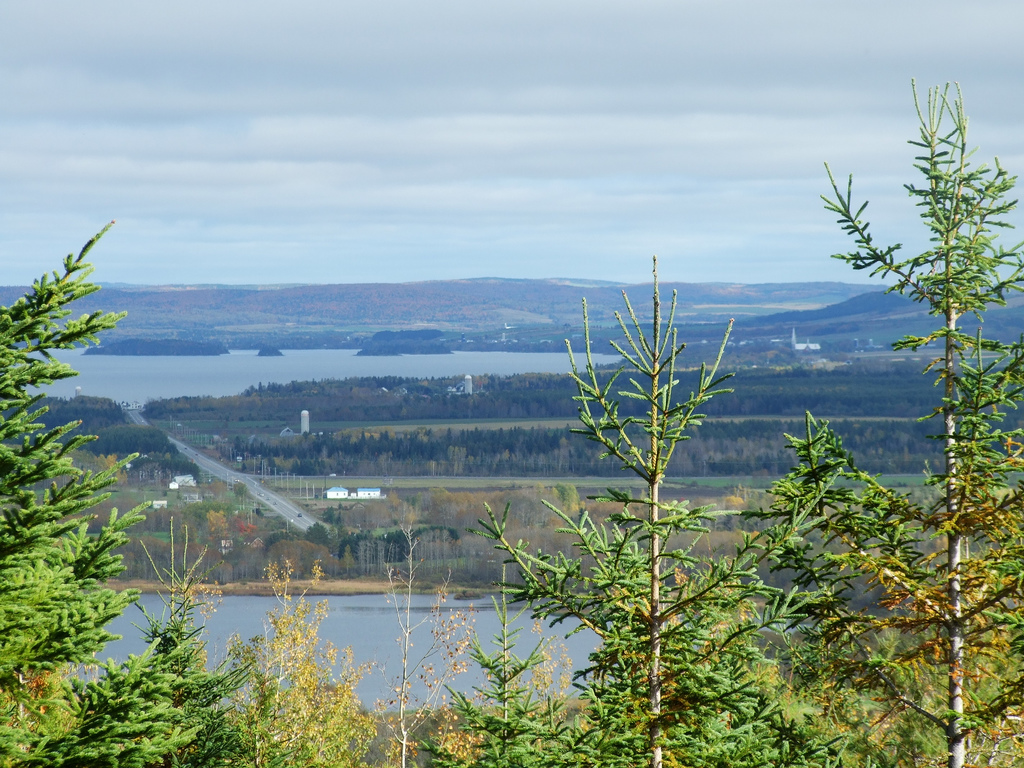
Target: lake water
{"x":366,"y":623}
{"x":149,"y":378}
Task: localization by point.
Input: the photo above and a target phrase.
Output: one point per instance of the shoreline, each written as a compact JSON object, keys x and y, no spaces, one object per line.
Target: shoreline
{"x":264,"y":588}
{"x":324,"y":588}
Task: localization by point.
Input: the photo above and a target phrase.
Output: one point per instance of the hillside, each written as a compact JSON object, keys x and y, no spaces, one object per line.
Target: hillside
{"x":330,"y":315}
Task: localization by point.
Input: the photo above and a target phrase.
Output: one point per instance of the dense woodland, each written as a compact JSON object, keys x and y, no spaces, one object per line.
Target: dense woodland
{"x":894,"y":389}
{"x":747,"y":447}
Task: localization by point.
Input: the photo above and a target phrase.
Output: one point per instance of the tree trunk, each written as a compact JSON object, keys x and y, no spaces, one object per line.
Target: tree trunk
{"x":955,"y":737}
{"x":655,"y":480}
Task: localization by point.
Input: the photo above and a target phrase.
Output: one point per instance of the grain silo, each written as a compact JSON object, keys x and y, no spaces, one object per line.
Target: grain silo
{"x":468,"y":386}
{"x":304,"y":422}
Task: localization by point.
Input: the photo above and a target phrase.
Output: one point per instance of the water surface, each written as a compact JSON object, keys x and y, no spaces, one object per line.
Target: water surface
{"x":366,"y":623}
{"x":149,"y":378}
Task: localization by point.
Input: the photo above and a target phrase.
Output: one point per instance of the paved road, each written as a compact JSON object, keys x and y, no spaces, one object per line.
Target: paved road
{"x":267,"y":498}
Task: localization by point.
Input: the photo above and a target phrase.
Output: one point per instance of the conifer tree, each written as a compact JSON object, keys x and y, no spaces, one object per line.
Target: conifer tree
{"x":200,"y":696}
{"x":938,"y":649}
{"x":674,"y":679}
{"x":516,"y":719}
{"x":54,"y":607}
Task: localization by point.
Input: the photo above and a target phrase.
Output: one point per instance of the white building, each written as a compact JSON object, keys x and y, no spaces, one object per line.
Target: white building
{"x":807,"y":347}
{"x":183,"y":480}
{"x":367,"y":493}
{"x":337,"y":492}
{"x":304,"y":422}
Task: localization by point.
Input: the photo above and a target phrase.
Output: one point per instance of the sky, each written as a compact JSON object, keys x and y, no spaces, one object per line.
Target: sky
{"x":391,"y":141}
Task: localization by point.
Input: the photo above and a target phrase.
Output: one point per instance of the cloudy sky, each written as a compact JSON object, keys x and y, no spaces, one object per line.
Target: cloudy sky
{"x":396,"y":140}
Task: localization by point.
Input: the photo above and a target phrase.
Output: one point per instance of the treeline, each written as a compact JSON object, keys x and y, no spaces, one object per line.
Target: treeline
{"x":755,"y":447}
{"x":895,"y":390}
{"x":159,"y":347}
{"x":225,"y":544}
{"x":422,"y":342}
{"x":381,"y":398}
{"x":157,"y":461}
{"x":354,"y":540}
{"x":95,"y":413}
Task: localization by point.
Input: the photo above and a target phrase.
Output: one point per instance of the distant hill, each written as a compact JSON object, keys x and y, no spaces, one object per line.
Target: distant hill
{"x":878,"y":304}
{"x":876,"y":317}
{"x":329,"y":315}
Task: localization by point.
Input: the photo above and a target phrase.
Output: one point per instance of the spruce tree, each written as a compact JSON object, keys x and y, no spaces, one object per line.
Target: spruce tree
{"x":929,"y":672}
{"x":675,"y":677}
{"x":516,"y":719}
{"x":54,"y":607}
{"x":200,"y":696}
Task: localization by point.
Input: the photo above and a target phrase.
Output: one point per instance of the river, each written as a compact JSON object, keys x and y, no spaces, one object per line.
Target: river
{"x":150,"y":378}
{"x":366,"y":623}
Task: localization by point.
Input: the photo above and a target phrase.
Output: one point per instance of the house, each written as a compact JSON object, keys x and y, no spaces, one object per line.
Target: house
{"x":337,"y":492}
{"x":159,"y":504}
{"x":183,"y":480}
{"x":367,"y":493}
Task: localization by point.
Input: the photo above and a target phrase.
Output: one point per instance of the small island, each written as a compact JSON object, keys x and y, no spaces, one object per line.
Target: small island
{"x":386,"y":343}
{"x":270,"y":352}
{"x":160,"y":348}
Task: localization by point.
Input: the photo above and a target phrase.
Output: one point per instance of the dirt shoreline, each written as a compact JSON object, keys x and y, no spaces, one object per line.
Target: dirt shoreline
{"x":263,"y":588}
{"x":340,"y":587}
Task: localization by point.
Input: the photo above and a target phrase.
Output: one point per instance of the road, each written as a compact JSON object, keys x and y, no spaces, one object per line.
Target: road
{"x":266,"y":498}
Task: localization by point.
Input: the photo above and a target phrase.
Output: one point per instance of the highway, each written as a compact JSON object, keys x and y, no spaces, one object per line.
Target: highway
{"x":266,"y":498}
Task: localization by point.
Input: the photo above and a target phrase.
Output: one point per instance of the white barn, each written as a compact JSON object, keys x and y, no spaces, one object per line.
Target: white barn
{"x":337,"y":492}
{"x":367,"y":493}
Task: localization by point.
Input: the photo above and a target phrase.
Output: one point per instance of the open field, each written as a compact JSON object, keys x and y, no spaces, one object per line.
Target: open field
{"x":585,"y":485}
{"x":231,"y":428}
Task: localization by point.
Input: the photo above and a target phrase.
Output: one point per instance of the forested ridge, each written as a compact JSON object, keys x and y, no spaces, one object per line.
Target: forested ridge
{"x":858,"y":390}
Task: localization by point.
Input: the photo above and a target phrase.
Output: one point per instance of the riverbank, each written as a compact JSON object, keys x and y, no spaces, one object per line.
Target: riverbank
{"x":323,"y":588}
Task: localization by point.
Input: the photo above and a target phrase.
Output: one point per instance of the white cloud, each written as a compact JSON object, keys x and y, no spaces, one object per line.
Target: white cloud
{"x":258,"y":142}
